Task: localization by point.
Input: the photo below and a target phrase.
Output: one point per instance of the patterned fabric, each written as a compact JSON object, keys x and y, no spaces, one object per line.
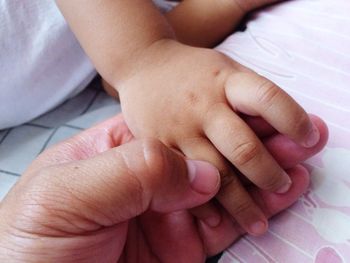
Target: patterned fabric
{"x":304,"y":47}
{"x":19,"y":146}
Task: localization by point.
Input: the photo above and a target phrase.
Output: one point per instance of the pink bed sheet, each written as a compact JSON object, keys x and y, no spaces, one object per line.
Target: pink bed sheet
{"x":304,"y":47}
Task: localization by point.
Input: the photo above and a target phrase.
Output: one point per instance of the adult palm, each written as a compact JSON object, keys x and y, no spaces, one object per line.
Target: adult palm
{"x":66,"y":210}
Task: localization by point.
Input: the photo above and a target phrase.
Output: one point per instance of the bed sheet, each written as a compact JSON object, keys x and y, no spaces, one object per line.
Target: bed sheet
{"x":20,"y":145}
{"x":304,"y":47}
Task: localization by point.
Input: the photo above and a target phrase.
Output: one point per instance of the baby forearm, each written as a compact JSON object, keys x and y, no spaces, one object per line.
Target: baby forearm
{"x":113,"y":32}
{"x":204,"y":22}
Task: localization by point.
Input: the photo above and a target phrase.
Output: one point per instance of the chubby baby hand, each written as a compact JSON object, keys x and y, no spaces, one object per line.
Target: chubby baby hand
{"x":193,"y":100}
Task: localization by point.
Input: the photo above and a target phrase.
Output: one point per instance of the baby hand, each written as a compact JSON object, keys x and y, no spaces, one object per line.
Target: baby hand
{"x":191,"y":99}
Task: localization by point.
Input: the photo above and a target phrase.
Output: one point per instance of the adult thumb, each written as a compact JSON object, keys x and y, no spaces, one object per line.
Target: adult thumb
{"x":126,"y":181}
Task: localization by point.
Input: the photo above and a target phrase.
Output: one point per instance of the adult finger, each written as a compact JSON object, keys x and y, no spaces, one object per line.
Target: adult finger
{"x":255,"y":95}
{"x":238,"y":143}
{"x":216,"y":239}
{"x":272,"y":203}
{"x":125,"y":182}
{"x":288,"y":153}
{"x":232,"y":195}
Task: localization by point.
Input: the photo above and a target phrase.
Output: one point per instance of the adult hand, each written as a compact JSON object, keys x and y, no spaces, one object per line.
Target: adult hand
{"x":88,"y":200}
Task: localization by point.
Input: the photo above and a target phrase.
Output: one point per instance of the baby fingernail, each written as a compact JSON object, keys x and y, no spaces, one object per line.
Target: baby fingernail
{"x":204,"y":177}
{"x":258,"y":228}
{"x":313,"y":137}
{"x":286,"y":186}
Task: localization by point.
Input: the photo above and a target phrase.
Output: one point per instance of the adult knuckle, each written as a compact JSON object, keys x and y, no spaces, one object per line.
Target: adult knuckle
{"x":137,"y":172}
{"x":139,"y":193}
{"x":154,"y":155}
{"x":244,"y":152}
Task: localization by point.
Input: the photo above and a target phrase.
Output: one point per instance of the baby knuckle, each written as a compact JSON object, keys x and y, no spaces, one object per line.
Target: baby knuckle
{"x":242,"y":207}
{"x":212,"y":116}
{"x":244,"y":153}
{"x":272,"y":183}
{"x":301,"y":123}
{"x":227,"y":178}
{"x":214,"y":110}
{"x":267,"y":93}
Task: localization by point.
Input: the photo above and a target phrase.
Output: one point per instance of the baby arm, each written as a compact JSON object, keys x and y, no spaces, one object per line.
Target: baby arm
{"x":115,"y":33}
{"x":189,"y":98}
{"x":204,"y":23}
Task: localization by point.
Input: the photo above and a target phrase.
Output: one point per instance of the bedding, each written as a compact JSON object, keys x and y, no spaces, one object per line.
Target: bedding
{"x":304,"y":47}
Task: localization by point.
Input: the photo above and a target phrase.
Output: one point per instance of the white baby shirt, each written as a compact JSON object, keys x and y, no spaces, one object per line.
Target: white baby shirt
{"x":41,"y":62}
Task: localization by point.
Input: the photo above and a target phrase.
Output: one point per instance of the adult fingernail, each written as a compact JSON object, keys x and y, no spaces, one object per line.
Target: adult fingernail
{"x":204,"y":177}
{"x":258,"y":228}
{"x":212,"y":221}
{"x":286,"y":186}
{"x":313,"y":137}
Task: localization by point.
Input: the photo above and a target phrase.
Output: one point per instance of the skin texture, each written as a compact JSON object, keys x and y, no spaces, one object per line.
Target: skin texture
{"x":204,"y":23}
{"x":204,"y":122}
{"x":191,"y":99}
{"x":83,"y":201}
